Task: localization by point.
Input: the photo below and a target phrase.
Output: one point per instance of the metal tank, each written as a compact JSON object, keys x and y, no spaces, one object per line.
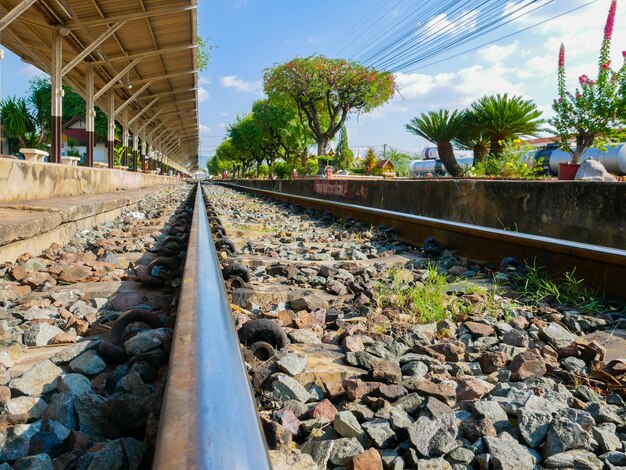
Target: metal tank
{"x":428,"y":153}
{"x":421,"y":167}
{"x":614,"y":159}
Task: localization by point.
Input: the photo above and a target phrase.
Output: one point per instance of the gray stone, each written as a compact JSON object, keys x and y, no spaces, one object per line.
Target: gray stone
{"x":34,"y":462}
{"x":31,"y":406}
{"x":74,"y":383}
{"x":40,"y":378}
{"x":434,"y":438}
{"x":508,"y":454}
{"x":415,"y":369}
{"x":61,"y":409}
{"x":6,"y":360}
{"x":581,"y":417}
{"x":70,"y":352}
{"x":286,"y":388}
{"x":93,"y":420}
{"x":132,"y":383}
{"x":292,"y":363}
{"x":304,"y":336}
{"x":615,"y":458}
{"x":557,"y":336}
{"x":577,"y":459}
{"x":606,"y":438}
{"x":379,"y":430}
{"x":574,"y":365}
{"x":347,"y":425}
{"x":40,"y":333}
{"x":533,"y":426}
{"x":433,"y":464}
{"x":67,"y":296}
{"x":361,"y":359}
{"x":593,"y":170}
{"x":461,"y":455}
{"x":88,"y":363}
{"x":14,"y":440}
{"x":565,"y":435}
{"x":493,"y":412}
{"x":281,"y":460}
{"x":120,"y":454}
{"x":344,"y":450}
{"x":518,"y":338}
{"x":320,"y":451}
{"x":604,"y":414}
{"x":146,"y":341}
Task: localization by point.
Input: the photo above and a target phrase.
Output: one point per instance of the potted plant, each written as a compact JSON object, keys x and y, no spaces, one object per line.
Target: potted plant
{"x":596,"y":110}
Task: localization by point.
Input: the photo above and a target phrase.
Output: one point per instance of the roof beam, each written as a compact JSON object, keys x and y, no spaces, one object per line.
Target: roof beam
{"x":92,"y":47}
{"x":167,"y":50}
{"x":174,"y":92}
{"x":15,"y":13}
{"x":140,"y":113}
{"x":130,"y":16}
{"x":114,"y":80}
{"x":133,"y":98}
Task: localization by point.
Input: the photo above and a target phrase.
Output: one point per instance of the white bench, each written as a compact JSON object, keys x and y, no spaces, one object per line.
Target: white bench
{"x":100,"y":165}
{"x":120,"y":167}
{"x":71,"y":161}
{"x":34,"y":155}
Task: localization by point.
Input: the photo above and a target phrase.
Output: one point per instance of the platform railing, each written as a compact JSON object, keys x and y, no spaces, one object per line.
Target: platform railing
{"x":208,"y":419}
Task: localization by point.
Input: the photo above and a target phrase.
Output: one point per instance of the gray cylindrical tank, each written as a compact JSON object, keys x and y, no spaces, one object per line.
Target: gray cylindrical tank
{"x":614,"y":159}
{"x":421,"y":167}
{"x":429,"y":153}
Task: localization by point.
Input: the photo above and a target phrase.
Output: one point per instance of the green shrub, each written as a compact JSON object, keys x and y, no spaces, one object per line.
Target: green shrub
{"x":509,"y":164}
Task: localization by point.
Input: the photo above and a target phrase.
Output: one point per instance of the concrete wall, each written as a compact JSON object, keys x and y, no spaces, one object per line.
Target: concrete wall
{"x":22,"y":180}
{"x":588,"y":212}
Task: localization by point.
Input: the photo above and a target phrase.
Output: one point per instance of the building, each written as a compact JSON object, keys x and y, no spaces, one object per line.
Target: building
{"x":75,"y":132}
{"x":386,"y":168}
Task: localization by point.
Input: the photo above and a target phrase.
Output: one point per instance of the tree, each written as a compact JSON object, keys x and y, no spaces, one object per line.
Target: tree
{"x":440,"y":127}
{"x":272,"y":119}
{"x":39,"y":97}
{"x":502,"y":119}
{"x":473,"y":138}
{"x":326,"y":90}
{"x":598,"y":108}
{"x":16,"y":121}
{"x":369,"y":163}
{"x":344,"y":157}
{"x":247,"y":139}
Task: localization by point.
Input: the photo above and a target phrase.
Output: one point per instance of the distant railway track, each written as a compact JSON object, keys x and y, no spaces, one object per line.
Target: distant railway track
{"x":602,"y":267}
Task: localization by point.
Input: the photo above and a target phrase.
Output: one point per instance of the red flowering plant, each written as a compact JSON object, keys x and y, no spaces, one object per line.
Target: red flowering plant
{"x":597,"y":109}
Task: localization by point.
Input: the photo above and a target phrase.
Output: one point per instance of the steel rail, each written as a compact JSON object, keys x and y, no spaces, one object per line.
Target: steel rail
{"x":208,"y":419}
{"x":602,"y":267}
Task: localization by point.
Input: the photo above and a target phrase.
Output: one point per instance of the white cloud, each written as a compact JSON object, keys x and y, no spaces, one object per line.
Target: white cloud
{"x":456,"y":89}
{"x":443,"y":24}
{"x":204,"y":129}
{"x":204,"y":80}
{"x":232,"y":81}
{"x":203,"y":94}
{"x":494,"y":53}
{"x":30,"y":71}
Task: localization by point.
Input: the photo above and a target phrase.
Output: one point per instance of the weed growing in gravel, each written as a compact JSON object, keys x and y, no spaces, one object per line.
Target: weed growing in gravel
{"x":536,"y":288}
{"x":430,"y":300}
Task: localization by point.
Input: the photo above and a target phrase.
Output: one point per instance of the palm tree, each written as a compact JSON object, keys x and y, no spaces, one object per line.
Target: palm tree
{"x":472,"y":138}
{"x":16,"y":120}
{"x":441,"y":128}
{"x":503,"y":118}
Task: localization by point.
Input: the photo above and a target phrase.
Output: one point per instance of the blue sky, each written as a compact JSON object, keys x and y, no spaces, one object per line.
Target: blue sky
{"x":252,"y":35}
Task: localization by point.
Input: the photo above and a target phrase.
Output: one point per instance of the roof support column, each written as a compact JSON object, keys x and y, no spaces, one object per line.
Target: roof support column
{"x":90,"y":116}
{"x":125,"y":138}
{"x":56,"y":80}
{"x":143,"y":156}
{"x":111,"y":131}
{"x":135,"y":152}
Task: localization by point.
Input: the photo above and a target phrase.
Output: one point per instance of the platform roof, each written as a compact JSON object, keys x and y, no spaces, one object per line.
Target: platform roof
{"x":161,"y":33}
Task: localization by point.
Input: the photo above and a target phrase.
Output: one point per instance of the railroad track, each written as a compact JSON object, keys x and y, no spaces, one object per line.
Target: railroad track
{"x":602,"y":267}
{"x":294,"y":347}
